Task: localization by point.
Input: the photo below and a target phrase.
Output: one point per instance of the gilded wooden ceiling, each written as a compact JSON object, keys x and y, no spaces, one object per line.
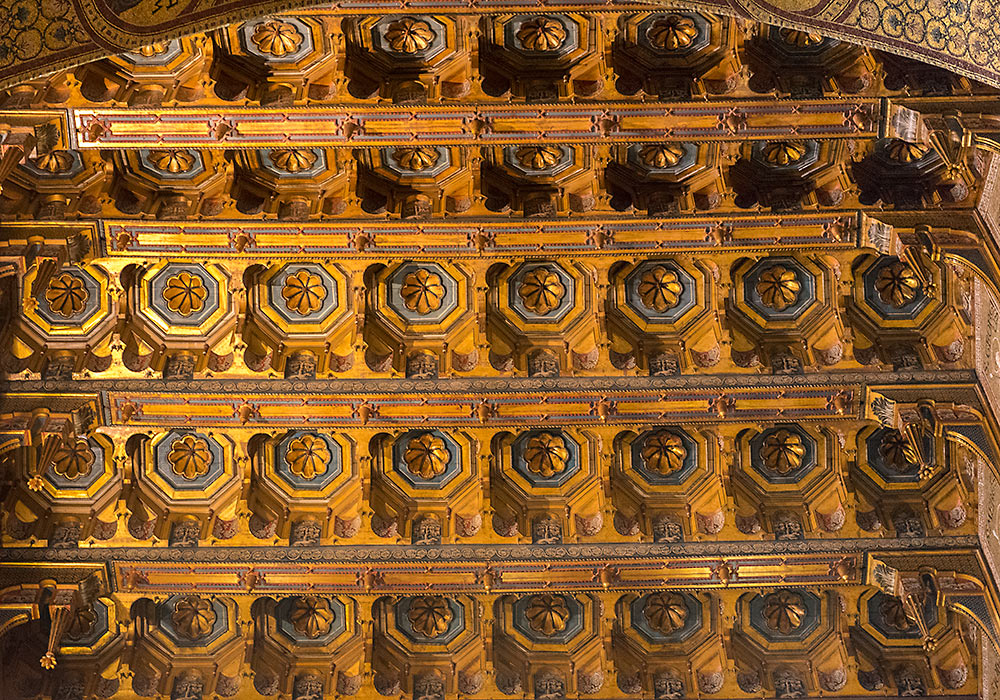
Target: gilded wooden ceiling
{"x":622,"y":353}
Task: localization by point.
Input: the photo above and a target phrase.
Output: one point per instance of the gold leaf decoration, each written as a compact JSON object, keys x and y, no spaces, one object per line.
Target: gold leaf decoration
{"x":185,"y":293}
{"x":665,"y":612}
{"x":311,"y":616}
{"x":547,"y":613}
{"x":538,"y":157}
{"x":193,"y":617}
{"x":541,"y":290}
{"x":429,"y":615}
{"x":422,"y":291}
{"x":426,"y":456}
{"x":416,"y":158}
{"x":308,"y":456}
{"x":303,"y":292}
{"x":904,"y":151}
{"x":546,"y":454}
{"x":660,"y":155}
{"x":55,"y":162}
{"x":783,"y":152}
{"x":276,"y":38}
{"x":659,"y":288}
{"x":541,"y":34}
{"x":897,"y":453}
{"x":800,"y":38}
{"x":172,"y":160}
{"x":664,"y":452}
{"x":783,"y":451}
{"x":409,"y":35}
{"x":74,"y":460}
{"x":672,"y":32}
{"x":897,"y":284}
{"x":190,"y":457}
{"x":778,"y":287}
{"x":66,"y":295}
{"x":784,"y":611}
{"x":293,"y":160}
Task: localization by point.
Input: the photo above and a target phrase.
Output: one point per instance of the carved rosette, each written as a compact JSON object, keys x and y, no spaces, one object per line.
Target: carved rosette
{"x":276,"y":38}
{"x":663,"y":452}
{"x":308,"y":456}
{"x":185,"y":293}
{"x":547,"y":614}
{"x":190,"y":457}
{"x":783,"y":451}
{"x":778,"y":287}
{"x":66,"y":295}
{"x":422,"y":291}
{"x":311,"y":616}
{"x":542,"y":33}
{"x":666,"y":612}
{"x":672,"y":32}
{"x":429,"y":616}
{"x":426,"y":456}
{"x":897,"y":284}
{"x":784,"y":611}
{"x":541,"y":291}
{"x":546,"y":454}
{"x":193,"y":617}
{"x":303,"y":292}
{"x":74,"y":460}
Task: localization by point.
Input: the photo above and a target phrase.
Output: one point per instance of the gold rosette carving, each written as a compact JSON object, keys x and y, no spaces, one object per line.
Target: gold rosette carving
{"x":541,"y":290}
{"x":193,"y":617}
{"x":293,"y":160}
{"x":276,"y":38}
{"x":308,"y":456}
{"x":784,"y":611}
{"x":185,"y":293}
{"x":783,"y":152}
{"x":541,"y":34}
{"x":665,"y":612}
{"x":66,"y":295}
{"x":311,"y":616}
{"x":660,"y":155}
{"x":664,"y":452}
{"x":73,"y":460}
{"x":430,"y":615}
{"x":426,"y":456}
{"x":55,"y":162}
{"x":422,"y":291}
{"x":409,"y":35}
{"x":897,"y":453}
{"x":547,"y":613}
{"x":904,"y":151}
{"x":416,"y":158}
{"x":538,"y":157}
{"x":303,"y":292}
{"x":190,"y":457}
{"x":783,"y":451}
{"x":897,"y":284}
{"x":778,"y":287}
{"x":172,"y":160}
{"x":659,"y":288}
{"x":672,"y":32}
{"x":546,"y":454}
